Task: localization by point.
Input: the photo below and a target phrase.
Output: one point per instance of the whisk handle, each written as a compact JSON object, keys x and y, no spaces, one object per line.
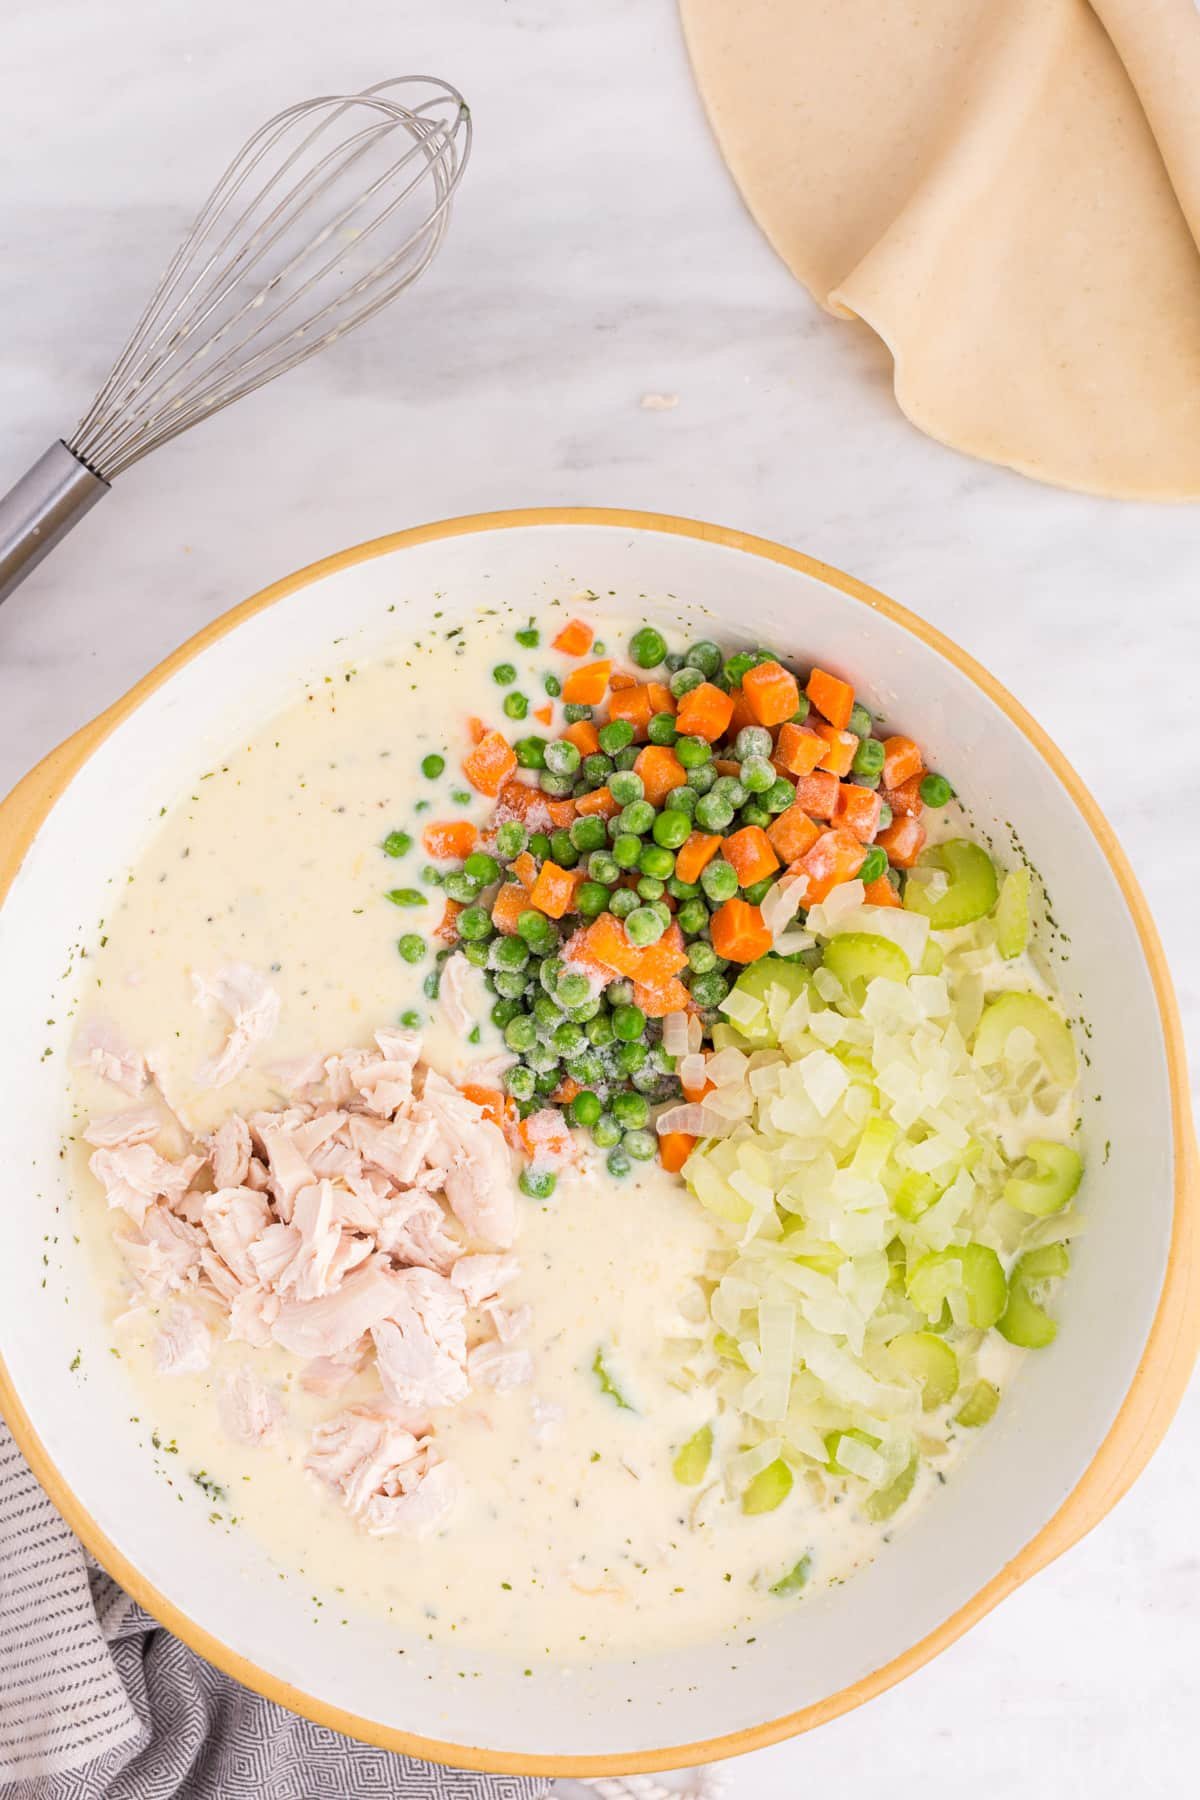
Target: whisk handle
{"x":40,"y":510}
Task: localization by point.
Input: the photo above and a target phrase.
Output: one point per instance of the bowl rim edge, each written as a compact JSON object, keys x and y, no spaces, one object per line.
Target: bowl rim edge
{"x":1167,"y":1357}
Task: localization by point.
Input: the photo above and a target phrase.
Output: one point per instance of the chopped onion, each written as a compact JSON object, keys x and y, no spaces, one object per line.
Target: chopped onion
{"x":696,"y":1120}
{"x":675,"y":1034}
{"x":790,"y":943}
{"x":866,"y":1139}
{"x":740,"y":1007}
{"x":781,"y":903}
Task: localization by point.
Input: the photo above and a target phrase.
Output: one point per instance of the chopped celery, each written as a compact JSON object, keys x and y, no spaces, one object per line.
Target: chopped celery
{"x":1025,"y":1322}
{"x":857,"y":957}
{"x":1012,"y":913}
{"x":933,"y":958}
{"x":1048,"y":1263}
{"x":971,"y":890}
{"x":769,"y":974}
{"x":1028,"y":1012}
{"x":728,"y":1037}
{"x":979,"y":1405}
{"x":915,"y":1195}
{"x":795,"y":1579}
{"x":890,"y":1499}
{"x":833,"y":1444}
{"x":769,"y":1488}
{"x":822,"y":1262}
{"x":726,"y":1347}
{"x":608,"y":1386}
{"x":692,"y":1459}
{"x":1057,"y":1172}
{"x":931,"y":1362}
{"x":972,"y":1269}
{"x":874,"y":1148}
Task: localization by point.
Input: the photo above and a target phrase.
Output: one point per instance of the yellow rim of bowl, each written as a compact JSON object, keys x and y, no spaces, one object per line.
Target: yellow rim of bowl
{"x":1162,"y":1372}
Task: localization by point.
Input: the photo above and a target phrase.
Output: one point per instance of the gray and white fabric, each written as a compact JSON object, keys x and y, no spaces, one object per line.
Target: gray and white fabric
{"x":98,"y":1702}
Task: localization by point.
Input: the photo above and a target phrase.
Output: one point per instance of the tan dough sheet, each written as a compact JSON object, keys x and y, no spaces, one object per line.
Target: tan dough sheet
{"x":1007,"y":191}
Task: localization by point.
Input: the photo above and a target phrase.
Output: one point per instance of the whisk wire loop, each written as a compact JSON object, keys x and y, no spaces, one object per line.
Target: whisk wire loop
{"x":276,"y":263}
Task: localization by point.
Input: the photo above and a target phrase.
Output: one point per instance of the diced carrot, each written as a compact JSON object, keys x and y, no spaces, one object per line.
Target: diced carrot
{"x":562,"y":813}
{"x":704,"y":712}
{"x":738,"y":932}
{"x":490,"y":763}
{"x":817,"y":794}
{"x":512,"y":900}
{"x":836,"y":856}
{"x":587,"y":686}
{"x":660,"y":770}
{"x":607,"y":942}
{"x":525,"y":869}
{"x":833,"y":699}
{"x":906,"y":798}
{"x":621,"y":678}
{"x":662,"y":700}
{"x":749,"y":851}
{"x":858,"y":810}
{"x":772,"y":693}
{"x":659,"y":962}
{"x":903,"y":840}
{"x":657,"y":1002}
{"x":495,"y":1105}
{"x":452,"y":837}
{"x":695,"y":854}
{"x":725,"y":765}
{"x":880,"y":892}
{"x":791,"y":834}
{"x":545,"y":1136}
{"x":518,"y":799}
{"x":544,"y":714}
{"x":448,"y":929}
{"x":598,"y":803}
{"x":902,"y":759}
{"x":553,"y":891}
{"x":839,"y":748}
{"x":633,"y":705}
{"x":741,"y":711}
{"x":476,"y":729}
{"x":575,"y":638}
{"x":797,"y":749}
{"x":584,"y":736}
{"x":566,"y":1091}
{"x":577,"y":951}
{"x":674,"y":1148}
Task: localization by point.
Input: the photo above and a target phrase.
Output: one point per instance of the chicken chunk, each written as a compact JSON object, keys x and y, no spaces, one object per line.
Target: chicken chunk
{"x":421,"y":1343}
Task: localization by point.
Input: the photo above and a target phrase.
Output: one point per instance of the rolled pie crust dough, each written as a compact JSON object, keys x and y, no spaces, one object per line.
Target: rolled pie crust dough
{"x":1007,"y":192}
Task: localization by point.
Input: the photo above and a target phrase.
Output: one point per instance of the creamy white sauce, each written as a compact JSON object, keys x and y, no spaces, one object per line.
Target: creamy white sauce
{"x":572,"y":1538}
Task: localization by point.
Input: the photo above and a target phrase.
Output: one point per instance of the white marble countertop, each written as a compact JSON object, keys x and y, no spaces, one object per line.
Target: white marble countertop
{"x":599,"y":253}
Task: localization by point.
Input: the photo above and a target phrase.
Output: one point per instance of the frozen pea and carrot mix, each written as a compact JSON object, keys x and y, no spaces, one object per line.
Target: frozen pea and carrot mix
{"x":724,"y":922}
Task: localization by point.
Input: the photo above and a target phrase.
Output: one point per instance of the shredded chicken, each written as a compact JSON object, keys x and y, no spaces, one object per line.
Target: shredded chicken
{"x":493,"y":1365}
{"x":421,"y":1345}
{"x":184,"y":1345}
{"x":253,"y":1008}
{"x":250,"y":1411}
{"x":99,"y":1047}
{"x":361,"y":1225}
{"x":136,"y":1125}
{"x":388,"y":1478}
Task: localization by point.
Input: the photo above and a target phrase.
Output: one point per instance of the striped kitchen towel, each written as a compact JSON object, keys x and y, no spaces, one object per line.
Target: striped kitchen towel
{"x":97,"y":1702}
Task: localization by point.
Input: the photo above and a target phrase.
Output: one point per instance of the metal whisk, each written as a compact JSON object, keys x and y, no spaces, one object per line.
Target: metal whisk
{"x":329,"y":211}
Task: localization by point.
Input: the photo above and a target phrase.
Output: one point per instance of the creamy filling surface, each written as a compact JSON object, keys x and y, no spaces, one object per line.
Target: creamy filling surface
{"x":571,"y":1535}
